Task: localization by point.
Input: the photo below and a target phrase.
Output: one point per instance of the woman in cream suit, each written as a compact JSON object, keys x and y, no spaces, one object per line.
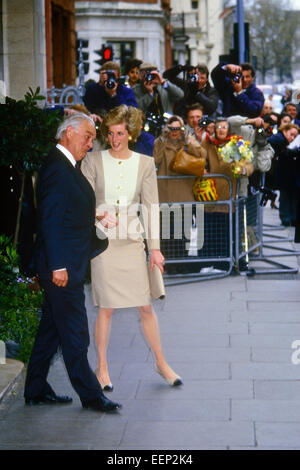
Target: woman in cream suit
{"x":123,"y":179}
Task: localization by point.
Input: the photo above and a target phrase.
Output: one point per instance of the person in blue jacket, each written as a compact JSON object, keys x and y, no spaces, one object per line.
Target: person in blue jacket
{"x":235,"y":84}
{"x":108,"y":93}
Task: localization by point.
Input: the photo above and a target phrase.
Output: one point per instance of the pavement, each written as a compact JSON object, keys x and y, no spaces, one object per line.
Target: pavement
{"x":234,"y":341}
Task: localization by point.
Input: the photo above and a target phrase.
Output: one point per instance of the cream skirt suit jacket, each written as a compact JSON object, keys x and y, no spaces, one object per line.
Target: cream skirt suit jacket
{"x":127,"y":189}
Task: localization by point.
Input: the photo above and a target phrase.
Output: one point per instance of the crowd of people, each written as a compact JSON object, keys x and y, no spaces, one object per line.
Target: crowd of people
{"x":82,"y":194}
{"x":182,"y":97}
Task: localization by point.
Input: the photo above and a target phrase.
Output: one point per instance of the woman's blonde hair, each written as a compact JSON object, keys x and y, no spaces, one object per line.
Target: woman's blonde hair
{"x":288,"y":127}
{"x":130,"y":116}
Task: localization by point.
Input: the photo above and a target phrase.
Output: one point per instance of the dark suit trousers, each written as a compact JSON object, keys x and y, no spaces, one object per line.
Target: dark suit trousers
{"x":64,"y":322}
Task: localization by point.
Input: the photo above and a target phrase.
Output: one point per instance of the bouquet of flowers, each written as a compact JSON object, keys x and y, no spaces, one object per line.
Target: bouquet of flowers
{"x":236,"y":151}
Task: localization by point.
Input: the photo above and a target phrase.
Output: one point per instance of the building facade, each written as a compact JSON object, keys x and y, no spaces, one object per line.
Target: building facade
{"x":37,"y":45}
{"x":134,"y":28}
{"x":198,"y":31}
{"x":23,"y":46}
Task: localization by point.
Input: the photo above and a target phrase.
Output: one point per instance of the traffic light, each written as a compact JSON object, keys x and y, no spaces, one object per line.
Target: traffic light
{"x":106,"y":54}
{"x":82,"y":57}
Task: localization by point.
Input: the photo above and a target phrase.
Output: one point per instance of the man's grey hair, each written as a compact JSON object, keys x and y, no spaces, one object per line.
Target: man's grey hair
{"x":74,"y":120}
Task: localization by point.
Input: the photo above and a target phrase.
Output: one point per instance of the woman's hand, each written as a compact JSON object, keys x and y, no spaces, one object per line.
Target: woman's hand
{"x":96,"y":118}
{"x":157,"y":258}
{"x":107,"y":220}
{"x":240,"y":169}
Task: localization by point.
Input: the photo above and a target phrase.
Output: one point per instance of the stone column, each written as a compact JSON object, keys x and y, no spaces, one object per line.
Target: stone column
{"x":24,"y":49}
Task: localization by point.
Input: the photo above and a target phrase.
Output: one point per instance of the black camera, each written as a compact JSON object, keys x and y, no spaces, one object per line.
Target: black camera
{"x":149,"y":76}
{"x":124,"y":80}
{"x":204,"y":121}
{"x":111,"y":79}
{"x":261,"y":136}
{"x":269,"y":120}
{"x":154,"y":123}
{"x":192,"y":78}
{"x":235,"y":77}
{"x":267,"y":195}
{"x":98,"y":128}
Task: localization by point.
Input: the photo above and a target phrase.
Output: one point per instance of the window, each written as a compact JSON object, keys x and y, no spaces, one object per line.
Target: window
{"x":195,"y":4}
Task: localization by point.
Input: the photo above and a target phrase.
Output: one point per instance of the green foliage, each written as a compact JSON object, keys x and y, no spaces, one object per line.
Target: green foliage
{"x":27,"y":132}
{"x":20,"y":302}
{"x":8,"y":260}
{"x":272,"y":36}
{"x":27,"y":135}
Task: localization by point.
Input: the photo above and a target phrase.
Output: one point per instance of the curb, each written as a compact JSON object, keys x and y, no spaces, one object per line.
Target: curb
{"x":10,"y":373}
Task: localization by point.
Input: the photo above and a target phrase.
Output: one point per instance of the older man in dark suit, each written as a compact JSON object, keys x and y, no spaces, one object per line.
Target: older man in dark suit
{"x":66,"y":240}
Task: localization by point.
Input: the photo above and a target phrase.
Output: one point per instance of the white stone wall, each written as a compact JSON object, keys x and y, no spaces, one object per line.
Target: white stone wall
{"x":143,"y":24}
{"x":24,"y":46}
{"x":205,"y":30}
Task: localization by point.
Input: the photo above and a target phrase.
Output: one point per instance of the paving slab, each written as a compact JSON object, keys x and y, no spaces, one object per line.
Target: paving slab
{"x":231,"y":341}
{"x":278,"y":434}
{"x":179,"y":435}
{"x":273,"y":411}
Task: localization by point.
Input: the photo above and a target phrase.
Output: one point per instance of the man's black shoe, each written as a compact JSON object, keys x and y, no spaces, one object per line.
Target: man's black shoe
{"x":48,"y":399}
{"x":101,"y":404}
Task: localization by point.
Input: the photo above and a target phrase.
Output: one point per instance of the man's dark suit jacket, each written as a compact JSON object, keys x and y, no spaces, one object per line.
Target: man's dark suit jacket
{"x":66,"y":234}
{"x":66,"y":238}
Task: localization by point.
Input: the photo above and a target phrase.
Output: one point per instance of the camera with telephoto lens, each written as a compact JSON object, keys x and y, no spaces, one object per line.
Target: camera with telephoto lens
{"x":261,"y":136}
{"x":124,"y":80}
{"x":111,"y":79}
{"x":98,"y":129}
{"x":154,"y":123}
{"x":192,"y":78}
{"x":235,"y":77}
{"x":204,"y":121}
{"x":272,"y":129}
{"x":149,"y":76}
{"x":267,"y":195}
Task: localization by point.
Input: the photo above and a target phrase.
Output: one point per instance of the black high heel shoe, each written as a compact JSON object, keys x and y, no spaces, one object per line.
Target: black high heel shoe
{"x":107,"y":387}
{"x":174,"y":382}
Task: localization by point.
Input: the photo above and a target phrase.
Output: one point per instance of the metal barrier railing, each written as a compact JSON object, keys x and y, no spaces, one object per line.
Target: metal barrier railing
{"x":232,"y":230}
{"x":186,"y":261}
{"x":249,"y":231}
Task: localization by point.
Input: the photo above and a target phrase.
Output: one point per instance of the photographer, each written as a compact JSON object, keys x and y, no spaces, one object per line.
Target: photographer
{"x":235,"y":84}
{"x":153,"y":93}
{"x":195,"y":86}
{"x":108,"y":93}
{"x":253,"y":130}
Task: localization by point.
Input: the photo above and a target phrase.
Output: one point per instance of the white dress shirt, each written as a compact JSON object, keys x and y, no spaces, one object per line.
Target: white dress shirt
{"x":66,"y":154}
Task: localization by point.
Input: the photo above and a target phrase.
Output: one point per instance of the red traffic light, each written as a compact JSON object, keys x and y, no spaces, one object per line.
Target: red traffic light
{"x":107,"y":53}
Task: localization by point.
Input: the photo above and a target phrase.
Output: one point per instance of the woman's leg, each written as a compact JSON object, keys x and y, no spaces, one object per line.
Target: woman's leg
{"x":102,"y":334}
{"x":152,"y":335}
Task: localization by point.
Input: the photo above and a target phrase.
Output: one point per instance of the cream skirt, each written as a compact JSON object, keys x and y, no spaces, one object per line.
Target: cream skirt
{"x":120,"y":276}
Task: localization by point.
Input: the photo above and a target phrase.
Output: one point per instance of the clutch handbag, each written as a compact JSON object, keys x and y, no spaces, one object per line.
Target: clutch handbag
{"x":187,"y":164}
{"x":156,"y":283}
